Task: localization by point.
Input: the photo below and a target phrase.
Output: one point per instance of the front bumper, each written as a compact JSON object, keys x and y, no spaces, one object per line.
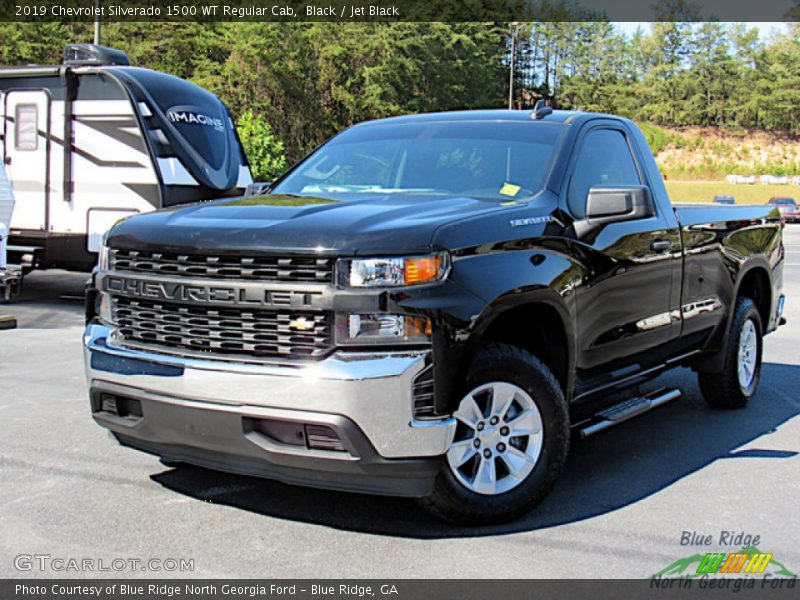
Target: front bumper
{"x":202,"y":411}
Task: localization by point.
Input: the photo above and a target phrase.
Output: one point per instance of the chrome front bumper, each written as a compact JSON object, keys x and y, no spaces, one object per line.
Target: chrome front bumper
{"x":371,"y":391}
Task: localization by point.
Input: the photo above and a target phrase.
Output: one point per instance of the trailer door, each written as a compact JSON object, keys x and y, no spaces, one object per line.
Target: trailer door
{"x":27,"y":132}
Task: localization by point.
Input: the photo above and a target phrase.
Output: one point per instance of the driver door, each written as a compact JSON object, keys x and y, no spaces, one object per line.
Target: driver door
{"x":623,"y":303}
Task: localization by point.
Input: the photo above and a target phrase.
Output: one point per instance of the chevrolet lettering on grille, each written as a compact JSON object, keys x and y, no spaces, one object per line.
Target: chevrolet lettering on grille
{"x":207,"y":294}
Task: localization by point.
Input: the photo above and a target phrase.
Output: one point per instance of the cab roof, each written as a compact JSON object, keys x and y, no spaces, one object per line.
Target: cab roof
{"x":497,"y":115}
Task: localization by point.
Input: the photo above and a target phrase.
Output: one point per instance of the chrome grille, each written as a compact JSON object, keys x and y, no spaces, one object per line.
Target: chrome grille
{"x":222,"y":331}
{"x":261,"y":268}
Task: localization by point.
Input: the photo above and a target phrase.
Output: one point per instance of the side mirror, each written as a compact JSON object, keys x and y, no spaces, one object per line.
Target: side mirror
{"x":606,"y":204}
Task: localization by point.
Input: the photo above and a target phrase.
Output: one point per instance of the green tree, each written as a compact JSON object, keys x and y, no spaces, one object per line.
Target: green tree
{"x":263,"y":149}
{"x":710,"y":81}
{"x":39,"y":43}
{"x":311,"y":80}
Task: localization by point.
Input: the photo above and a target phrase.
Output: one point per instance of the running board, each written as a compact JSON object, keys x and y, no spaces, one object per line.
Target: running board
{"x":628,"y":409}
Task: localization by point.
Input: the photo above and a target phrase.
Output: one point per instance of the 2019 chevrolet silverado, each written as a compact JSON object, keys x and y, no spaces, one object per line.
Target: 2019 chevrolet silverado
{"x":428,"y":306}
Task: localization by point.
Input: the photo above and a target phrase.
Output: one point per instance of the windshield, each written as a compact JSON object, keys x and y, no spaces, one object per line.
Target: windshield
{"x":488,"y":160}
{"x":783,"y":201}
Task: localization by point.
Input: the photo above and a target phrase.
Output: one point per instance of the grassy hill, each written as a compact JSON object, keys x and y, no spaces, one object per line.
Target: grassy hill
{"x":695,"y":161}
{"x":709,"y":153}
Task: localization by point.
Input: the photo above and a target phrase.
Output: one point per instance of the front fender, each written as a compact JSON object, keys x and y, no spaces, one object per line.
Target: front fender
{"x":503,"y":280}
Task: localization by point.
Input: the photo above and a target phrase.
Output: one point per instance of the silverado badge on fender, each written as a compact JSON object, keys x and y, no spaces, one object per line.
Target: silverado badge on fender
{"x":530,"y":221}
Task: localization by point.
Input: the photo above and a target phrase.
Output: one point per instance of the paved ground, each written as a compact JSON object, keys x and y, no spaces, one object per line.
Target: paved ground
{"x":619,"y":511}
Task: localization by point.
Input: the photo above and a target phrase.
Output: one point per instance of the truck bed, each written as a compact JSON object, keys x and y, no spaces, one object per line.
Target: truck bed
{"x":697,"y":214}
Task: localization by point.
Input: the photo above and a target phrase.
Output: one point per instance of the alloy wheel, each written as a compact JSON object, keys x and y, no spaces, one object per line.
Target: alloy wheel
{"x":498,"y":439}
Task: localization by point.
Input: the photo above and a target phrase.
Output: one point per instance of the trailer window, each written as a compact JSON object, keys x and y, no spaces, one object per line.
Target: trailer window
{"x":26,"y":132}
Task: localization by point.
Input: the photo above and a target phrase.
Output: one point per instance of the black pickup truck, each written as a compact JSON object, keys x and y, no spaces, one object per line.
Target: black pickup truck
{"x":429,"y":306}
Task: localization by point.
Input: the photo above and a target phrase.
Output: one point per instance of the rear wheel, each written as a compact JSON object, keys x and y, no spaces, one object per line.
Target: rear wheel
{"x":510,"y":443}
{"x":737,"y":381}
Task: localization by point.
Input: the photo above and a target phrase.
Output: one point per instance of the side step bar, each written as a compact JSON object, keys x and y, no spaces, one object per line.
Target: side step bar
{"x":628,"y":409}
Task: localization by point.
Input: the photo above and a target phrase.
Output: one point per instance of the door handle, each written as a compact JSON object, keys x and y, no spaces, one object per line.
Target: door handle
{"x":661,"y":246}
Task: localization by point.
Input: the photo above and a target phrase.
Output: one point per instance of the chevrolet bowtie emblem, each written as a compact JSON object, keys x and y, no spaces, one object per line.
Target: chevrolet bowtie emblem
{"x":302,"y":324}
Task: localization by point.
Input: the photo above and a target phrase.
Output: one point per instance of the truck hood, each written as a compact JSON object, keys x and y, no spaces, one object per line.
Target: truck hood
{"x":344,"y":224}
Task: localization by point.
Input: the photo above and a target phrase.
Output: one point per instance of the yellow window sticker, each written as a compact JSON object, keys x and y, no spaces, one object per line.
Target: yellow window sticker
{"x":509,"y":189}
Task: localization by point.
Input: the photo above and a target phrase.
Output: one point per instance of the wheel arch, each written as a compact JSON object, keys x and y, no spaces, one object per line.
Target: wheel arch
{"x":538,"y":321}
{"x":755,"y":283}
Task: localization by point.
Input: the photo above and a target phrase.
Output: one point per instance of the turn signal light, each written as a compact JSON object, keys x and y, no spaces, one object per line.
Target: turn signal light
{"x":423,"y":269}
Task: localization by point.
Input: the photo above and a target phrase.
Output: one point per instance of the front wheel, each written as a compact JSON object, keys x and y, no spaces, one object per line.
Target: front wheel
{"x":510,"y":443}
{"x":736,"y":382}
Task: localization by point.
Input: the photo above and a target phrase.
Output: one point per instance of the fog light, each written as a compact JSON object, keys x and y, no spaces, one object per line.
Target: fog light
{"x":108,"y":403}
{"x":117,"y":405}
{"x":321,"y":437}
{"x":291,"y":433}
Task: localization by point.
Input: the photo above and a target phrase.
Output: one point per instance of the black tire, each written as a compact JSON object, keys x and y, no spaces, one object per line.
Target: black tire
{"x":722,"y":389}
{"x":505,"y":363}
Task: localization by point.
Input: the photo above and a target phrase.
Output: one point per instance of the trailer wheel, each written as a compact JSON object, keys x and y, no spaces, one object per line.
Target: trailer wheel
{"x":736,"y":382}
{"x":510,"y":443}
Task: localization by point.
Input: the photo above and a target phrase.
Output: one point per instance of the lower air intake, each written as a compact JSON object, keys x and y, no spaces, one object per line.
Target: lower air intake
{"x":423,"y":395}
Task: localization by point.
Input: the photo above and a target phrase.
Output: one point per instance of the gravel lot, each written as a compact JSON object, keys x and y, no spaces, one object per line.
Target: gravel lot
{"x":619,"y":510}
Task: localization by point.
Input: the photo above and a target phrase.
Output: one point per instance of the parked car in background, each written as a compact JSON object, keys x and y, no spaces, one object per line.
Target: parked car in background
{"x":724,"y":200}
{"x":774,"y":180}
{"x":787,"y":207}
{"x":741,"y":179}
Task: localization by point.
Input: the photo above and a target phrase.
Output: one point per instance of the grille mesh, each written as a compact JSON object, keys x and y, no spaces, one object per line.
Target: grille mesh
{"x":261,"y":268}
{"x":223,"y":331}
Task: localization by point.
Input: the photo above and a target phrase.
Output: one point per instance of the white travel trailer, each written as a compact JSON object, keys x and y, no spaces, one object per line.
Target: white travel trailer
{"x":9,"y":278}
{"x":94,"y":140}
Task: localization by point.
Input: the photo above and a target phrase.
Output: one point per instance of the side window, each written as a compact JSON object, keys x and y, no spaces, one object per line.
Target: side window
{"x":27,"y":127}
{"x":604,"y":159}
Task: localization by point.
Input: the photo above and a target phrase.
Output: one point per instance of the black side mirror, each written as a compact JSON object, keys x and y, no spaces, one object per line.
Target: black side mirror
{"x":618,"y":203}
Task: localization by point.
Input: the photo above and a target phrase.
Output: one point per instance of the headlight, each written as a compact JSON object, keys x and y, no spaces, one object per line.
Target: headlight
{"x":102,"y":308}
{"x":394,"y":272}
{"x":103,"y":258}
{"x":359,"y":330}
